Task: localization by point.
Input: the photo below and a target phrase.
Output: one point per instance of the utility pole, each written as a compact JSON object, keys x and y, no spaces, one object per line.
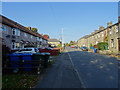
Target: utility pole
{"x":62,"y":38}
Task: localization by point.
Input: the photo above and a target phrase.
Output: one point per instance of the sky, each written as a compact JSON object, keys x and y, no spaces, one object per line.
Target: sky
{"x":75,"y":18}
{"x":60,"y":0}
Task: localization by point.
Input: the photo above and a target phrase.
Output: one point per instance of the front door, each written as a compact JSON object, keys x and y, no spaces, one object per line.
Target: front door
{"x":119,"y":44}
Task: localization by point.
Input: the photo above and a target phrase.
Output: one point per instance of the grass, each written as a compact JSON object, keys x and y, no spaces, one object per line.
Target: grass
{"x":18,"y":80}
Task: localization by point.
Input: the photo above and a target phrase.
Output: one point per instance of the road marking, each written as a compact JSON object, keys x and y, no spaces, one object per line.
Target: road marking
{"x":76,"y":70}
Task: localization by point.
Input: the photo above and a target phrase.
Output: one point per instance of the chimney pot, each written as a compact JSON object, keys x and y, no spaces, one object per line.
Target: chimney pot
{"x":101,"y":28}
{"x":109,"y":24}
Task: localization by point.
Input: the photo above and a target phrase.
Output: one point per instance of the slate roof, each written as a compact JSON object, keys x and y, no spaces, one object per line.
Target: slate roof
{"x":14,"y":24}
{"x":53,"y":40}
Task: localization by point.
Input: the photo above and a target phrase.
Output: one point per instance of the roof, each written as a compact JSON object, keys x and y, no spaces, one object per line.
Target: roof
{"x":101,"y":30}
{"x":53,"y":40}
{"x":105,"y":28}
{"x":84,"y":37}
{"x":13,"y":24}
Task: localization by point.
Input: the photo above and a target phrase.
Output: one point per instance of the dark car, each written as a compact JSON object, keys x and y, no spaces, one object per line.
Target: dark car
{"x":84,"y":48}
{"x":76,"y":47}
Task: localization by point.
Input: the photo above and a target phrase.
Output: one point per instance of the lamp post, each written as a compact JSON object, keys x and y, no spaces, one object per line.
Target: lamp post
{"x":62,"y":38}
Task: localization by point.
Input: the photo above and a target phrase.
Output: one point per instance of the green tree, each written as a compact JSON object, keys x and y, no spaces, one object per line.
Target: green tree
{"x":59,"y":45}
{"x":102,"y":46}
{"x":72,"y":43}
{"x":34,"y":29}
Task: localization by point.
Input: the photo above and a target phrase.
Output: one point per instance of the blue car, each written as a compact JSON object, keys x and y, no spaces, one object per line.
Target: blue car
{"x":84,"y":48}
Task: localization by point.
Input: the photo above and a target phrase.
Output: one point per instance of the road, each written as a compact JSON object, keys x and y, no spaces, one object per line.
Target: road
{"x":81,"y":69}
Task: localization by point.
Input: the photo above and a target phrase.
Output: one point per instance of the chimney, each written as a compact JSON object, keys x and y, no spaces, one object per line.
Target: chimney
{"x":92,"y":33}
{"x":96,"y":31}
{"x":101,"y":28}
{"x":109,"y":24}
{"x":29,"y":28}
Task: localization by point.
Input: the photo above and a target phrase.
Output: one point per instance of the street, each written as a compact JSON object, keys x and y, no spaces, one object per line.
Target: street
{"x":81,"y":69}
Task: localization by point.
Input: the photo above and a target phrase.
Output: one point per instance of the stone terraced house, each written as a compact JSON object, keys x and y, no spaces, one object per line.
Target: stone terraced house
{"x":110,"y":35}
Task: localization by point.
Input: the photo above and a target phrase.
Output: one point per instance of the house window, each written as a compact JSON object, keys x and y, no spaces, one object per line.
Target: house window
{"x":13,"y":31}
{"x":112,"y":43}
{"x":4,"y":28}
{"x":37,"y":38}
{"x":25,"y":34}
{"x":31,"y":36}
{"x":17,"y":45}
{"x":98,"y":35}
{"x":96,"y":42}
{"x":116,"y":28}
{"x":102,"y":34}
{"x":110,"y":31}
{"x":40,"y":39}
{"x":13,"y":45}
{"x":16,"y":32}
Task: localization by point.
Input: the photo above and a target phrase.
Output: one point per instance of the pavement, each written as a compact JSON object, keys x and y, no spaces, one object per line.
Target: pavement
{"x":61,"y":75}
{"x":81,"y":69}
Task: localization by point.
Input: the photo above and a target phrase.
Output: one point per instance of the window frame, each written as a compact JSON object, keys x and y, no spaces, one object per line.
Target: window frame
{"x":4,"y":28}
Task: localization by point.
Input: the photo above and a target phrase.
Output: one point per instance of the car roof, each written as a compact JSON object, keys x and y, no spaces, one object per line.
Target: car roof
{"x":27,"y":48}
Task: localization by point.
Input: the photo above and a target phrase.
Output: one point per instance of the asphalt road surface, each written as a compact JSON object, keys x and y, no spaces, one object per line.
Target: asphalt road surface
{"x":81,"y":69}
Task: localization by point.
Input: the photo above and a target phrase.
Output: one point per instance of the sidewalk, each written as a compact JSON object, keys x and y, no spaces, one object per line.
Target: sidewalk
{"x":60,"y":75}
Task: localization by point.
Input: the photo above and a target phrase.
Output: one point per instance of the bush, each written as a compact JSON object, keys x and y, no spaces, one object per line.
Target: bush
{"x":102,"y":46}
{"x":60,"y":45}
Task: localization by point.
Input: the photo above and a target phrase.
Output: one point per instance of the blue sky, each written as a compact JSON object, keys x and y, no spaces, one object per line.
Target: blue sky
{"x":76,"y":19}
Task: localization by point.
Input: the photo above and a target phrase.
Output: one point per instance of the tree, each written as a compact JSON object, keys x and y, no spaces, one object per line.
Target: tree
{"x":46,"y":36}
{"x":59,"y":45}
{"x":72,"y":42}
{"x":34,"y":29}
{"x":102,"y":46}
{"x":67,"y":44}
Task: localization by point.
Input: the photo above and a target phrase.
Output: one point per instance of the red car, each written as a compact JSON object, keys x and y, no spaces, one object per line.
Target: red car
{"x":72,"y":46}
{"x":52,"y":51}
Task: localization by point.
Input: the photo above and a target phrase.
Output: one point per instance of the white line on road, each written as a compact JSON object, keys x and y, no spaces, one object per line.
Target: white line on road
{"x":76,"y":71}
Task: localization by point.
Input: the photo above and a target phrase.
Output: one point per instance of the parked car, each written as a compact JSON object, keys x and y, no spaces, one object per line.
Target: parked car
{"x":84,"y":48}
{"x":49,"y":50}
{"x":76,"y":47}
{"x":27,"y":50}
{"x":72,"y":46}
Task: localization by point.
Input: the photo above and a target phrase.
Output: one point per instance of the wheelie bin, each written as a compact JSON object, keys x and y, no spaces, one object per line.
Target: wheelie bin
{"x":38,"y":61}
{"x":14,"y":61}
{"x":38,"y":56}
{"x":95,"y":50}
{"x":45,"y":60}
{"x":27,"y":61}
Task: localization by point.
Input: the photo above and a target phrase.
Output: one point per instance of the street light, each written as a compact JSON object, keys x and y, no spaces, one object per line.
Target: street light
{"x":62,"y":38}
